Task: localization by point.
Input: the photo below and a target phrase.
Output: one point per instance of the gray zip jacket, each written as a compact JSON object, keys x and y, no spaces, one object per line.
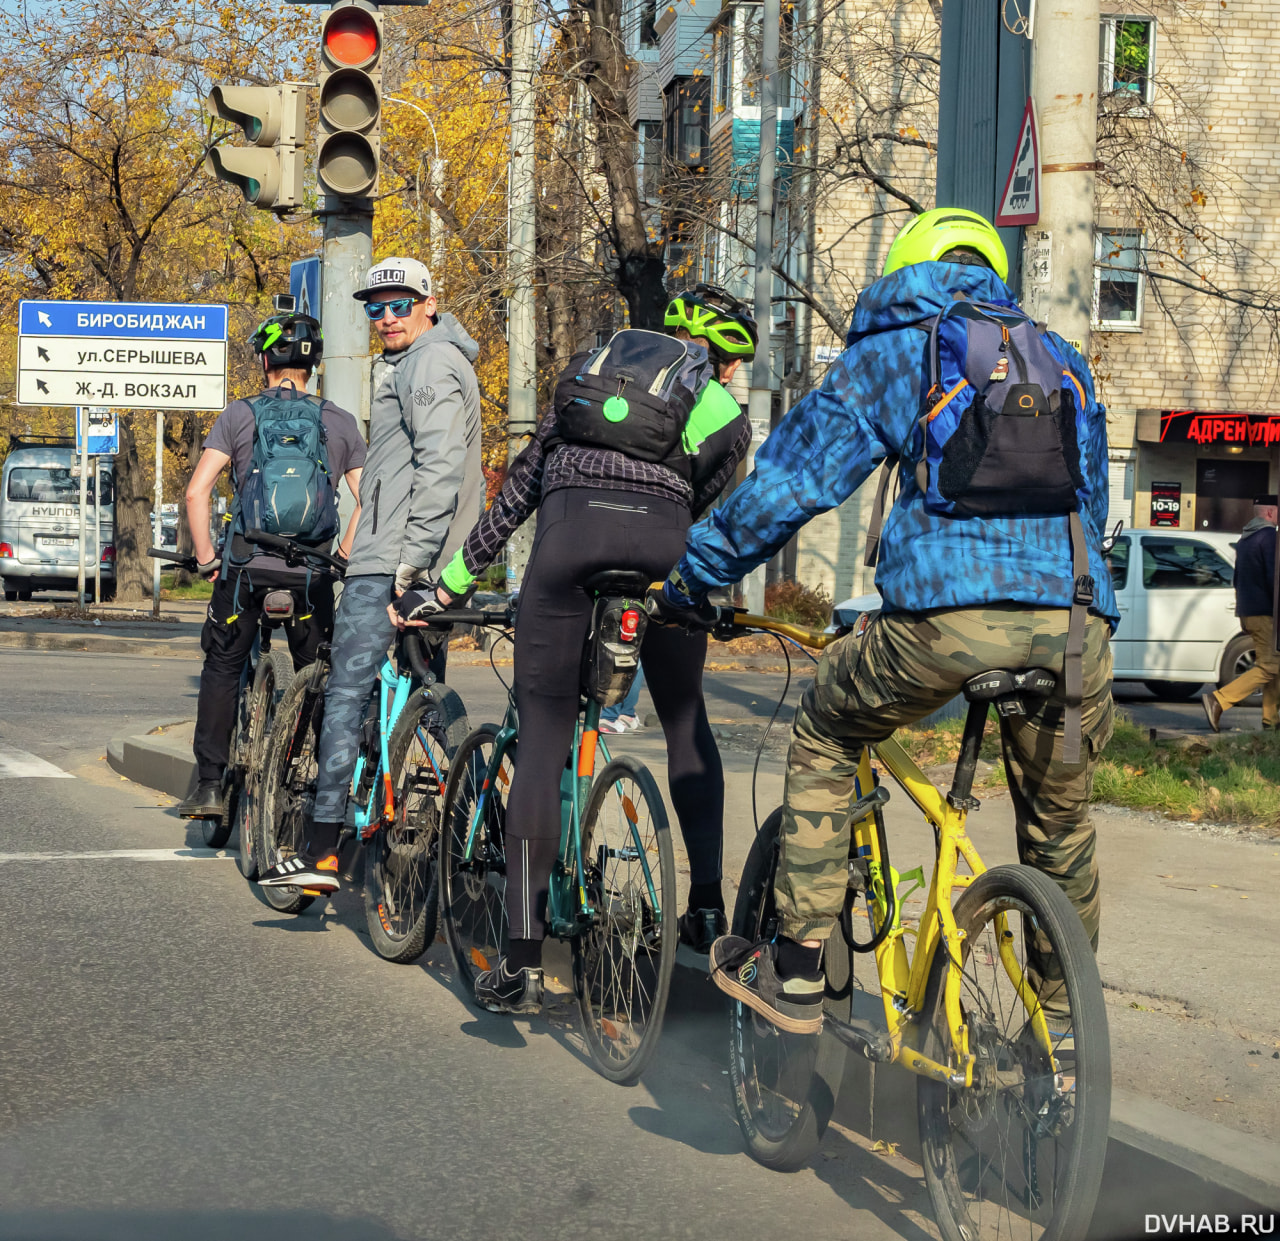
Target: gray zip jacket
{"x":422,"y":488}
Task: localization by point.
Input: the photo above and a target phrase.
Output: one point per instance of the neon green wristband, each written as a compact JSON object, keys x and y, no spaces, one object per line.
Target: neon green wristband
{"x":455,"y":579}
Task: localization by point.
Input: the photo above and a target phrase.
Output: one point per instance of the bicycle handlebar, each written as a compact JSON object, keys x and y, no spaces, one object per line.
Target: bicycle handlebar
{"x":726,"y":623}
{"x":411,"y":644}
{"x":184,"y":562}
{"x":469,"y":616}
{"x":295,"y":554}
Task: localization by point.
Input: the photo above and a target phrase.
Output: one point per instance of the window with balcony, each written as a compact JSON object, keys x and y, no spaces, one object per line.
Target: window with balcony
{"x":1118,"y":280}
{"x":687,"y":122}
{"x":648,"y":23}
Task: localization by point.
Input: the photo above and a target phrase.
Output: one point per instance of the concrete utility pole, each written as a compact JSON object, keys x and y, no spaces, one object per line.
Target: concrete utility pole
{"x":1064,"y":81}
{"x":522,"y":396}
{"x":346,"y":257}
{"x":760,"y":397}
{"x":82,"y":434}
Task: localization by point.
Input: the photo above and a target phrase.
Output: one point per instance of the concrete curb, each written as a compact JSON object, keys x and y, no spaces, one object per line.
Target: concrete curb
{"x":101,"y":644}
{"x":1191,"y":1164}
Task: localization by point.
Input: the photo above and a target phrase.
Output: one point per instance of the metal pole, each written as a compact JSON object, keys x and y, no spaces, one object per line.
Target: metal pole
{"x":83,"y":436}
{"x":97,"y":531}
{"x":1064,"y":82}
{"x":522,"y":398}
{"x":159,"y":520}
{"x":760,"y":396}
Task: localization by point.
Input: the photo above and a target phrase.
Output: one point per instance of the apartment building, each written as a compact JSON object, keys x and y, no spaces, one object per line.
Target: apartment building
{"x":1188,"y":222}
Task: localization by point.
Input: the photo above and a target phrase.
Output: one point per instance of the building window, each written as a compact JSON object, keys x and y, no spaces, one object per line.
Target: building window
{"x":722,"y":62}
{"x":1118,"y":280}
{"x":648,"y":23}
{"x":1128,"y":60}
{"x":649,"y":151}
{"x":686,"y":120}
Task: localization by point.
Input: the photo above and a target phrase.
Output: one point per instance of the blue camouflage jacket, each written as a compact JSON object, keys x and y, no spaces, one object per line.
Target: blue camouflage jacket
{"x":866,"y":410}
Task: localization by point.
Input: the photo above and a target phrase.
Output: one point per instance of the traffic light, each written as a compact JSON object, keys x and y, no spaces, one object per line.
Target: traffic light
{"x":270,"y":116}
{"x":350,"y":100}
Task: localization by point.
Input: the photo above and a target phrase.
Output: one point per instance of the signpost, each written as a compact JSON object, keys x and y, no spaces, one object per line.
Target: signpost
{"x":122,"y":355}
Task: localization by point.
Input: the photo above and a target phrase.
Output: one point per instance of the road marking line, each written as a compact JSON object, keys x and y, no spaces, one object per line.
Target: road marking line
{"x":16,"y":764}
{"x":123,"y":855}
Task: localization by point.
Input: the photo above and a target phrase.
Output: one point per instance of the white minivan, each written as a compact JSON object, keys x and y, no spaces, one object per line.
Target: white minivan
{"x":40,"y":518}
{"x":1178,"y":627}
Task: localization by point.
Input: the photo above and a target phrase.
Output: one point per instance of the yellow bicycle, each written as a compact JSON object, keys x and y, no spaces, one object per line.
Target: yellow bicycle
{"x":992,"y":998}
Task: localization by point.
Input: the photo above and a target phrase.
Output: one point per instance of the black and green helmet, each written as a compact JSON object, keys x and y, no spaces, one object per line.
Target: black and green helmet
{"x":712,"y":315}
{"x":289,"y":340}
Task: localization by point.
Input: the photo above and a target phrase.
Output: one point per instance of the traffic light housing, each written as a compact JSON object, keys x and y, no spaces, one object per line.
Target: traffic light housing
{"x":350,"y":83}
{"x":269,"y":116}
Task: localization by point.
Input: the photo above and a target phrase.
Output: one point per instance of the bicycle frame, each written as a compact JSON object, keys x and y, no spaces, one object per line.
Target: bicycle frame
{"x":903,"y":975}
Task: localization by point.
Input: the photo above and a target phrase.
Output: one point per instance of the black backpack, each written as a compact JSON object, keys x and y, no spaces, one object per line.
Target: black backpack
{"x":633,"y":395}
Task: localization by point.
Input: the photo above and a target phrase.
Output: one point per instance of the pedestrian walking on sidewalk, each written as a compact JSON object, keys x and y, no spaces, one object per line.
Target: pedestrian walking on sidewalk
{"x":1254,"y":581}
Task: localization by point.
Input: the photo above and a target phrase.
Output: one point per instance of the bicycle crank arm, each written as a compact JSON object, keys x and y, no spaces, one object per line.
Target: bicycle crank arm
{"x":862,"y":1037}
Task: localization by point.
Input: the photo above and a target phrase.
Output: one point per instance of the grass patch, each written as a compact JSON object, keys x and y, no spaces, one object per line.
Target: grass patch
{"x":199,"y":589}
{"x":1231,"y":779}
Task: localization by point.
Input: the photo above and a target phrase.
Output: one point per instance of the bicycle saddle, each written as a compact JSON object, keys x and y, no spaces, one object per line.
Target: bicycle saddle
{"x":629,"y":582}
{"x":1008,"y":687}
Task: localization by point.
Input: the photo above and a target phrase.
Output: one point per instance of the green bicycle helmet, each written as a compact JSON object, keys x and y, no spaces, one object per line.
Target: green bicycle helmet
{"x":927,"y":237}
{"x":717,"y":318}
{"x":289,"y":341}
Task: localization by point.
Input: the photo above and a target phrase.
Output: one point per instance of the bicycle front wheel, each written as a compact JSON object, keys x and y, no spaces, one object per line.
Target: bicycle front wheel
{"x":473,"y":864}
{"x":401,"y":892}
{"x":785,"y":1086}
{"x":289,"y":781}
{"x":272,"y":679}
{"x":1019,"y":1153}
{"x":623,"y":960}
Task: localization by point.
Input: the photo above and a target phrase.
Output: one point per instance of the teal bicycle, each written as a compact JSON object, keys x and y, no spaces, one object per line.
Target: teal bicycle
{"x":613,"y":887}
{"x":410,"y":734}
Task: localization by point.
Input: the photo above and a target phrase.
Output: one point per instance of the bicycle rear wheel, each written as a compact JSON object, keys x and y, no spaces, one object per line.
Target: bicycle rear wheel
{"x":401,"y":888}
{"x":475,"y":886}
{"x":289,"y":781}
{"x":785,"y":1086}
{"x":1020,"y":1153}
{"x":273,"y":678}
{"x":623,"y":960}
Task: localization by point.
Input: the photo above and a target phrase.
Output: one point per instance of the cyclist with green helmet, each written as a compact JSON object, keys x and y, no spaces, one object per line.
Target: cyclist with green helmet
{"x":599,"y":508}
{"x":963,"y":591}
{"x":290,"y":346}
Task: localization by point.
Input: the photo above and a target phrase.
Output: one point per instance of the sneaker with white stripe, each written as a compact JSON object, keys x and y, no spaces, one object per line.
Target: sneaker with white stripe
{"x":313,"y":874}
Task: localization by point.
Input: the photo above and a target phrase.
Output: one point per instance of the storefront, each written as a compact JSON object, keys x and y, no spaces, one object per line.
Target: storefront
{"x":1200,"y":469}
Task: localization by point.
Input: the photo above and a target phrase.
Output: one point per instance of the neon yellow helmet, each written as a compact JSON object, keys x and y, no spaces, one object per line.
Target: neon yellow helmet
{"x":715,"y":317}
{"x":929,"y":236}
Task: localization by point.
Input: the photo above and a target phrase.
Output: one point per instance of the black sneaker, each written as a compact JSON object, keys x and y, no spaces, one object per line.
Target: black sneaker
{"x":501,"y":992}
{"x":204,"y":803}
{"x":700,"y":928}
{"x":313,"y":875}
{"x":748,"y":972}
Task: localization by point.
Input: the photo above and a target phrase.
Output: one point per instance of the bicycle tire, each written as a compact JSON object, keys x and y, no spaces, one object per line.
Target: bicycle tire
{"x":473,"y":892}
{"x":273,"y":677}
{"x":1014,"y":1082}
{"x":785,"y":1086}
{"x":288,"y":781}
{"x":401,"y":884}
{"x":622,"y":963}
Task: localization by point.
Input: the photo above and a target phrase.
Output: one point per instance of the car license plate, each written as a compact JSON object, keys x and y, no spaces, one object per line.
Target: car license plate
{"x":51,"y":542}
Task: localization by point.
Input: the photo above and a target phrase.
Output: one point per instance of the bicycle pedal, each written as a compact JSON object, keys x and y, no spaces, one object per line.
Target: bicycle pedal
{"x":316,"y":892}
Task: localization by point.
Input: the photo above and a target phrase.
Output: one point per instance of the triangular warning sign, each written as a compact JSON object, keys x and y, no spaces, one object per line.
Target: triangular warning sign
{"x":1020,"y":202}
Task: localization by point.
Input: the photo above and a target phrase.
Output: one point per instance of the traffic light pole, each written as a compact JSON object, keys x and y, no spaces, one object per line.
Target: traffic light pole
{"x":346,"y":257}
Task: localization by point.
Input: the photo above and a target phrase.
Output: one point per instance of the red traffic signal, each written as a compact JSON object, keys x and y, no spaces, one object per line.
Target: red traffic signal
{"x":352,"y":38}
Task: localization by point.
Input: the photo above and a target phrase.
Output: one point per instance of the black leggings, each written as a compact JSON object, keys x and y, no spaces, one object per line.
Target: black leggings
{"x":580,"y":532}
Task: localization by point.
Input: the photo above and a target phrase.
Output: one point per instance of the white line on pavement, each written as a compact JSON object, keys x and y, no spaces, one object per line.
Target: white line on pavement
{"x":15,"y":764}
{"x":122,"y":855}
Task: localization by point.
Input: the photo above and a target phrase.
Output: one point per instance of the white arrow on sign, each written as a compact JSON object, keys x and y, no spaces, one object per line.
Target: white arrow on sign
{"x":1020,"y":202}
{"x":45,"y":321}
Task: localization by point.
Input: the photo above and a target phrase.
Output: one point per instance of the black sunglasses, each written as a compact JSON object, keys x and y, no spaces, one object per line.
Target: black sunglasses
{"x":399,"y":307}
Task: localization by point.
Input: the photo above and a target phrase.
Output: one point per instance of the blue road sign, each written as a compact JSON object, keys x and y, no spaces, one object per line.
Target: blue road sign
{"x":103,"y":427}
{"x":132,"y":355}
{"x":305,"y":285}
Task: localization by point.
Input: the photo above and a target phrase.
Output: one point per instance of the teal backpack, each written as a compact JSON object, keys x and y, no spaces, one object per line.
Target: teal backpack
{"x":289,"y":490}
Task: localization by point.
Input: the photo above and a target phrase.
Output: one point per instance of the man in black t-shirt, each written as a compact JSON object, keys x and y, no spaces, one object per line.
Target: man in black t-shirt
{"x":290,"y":346}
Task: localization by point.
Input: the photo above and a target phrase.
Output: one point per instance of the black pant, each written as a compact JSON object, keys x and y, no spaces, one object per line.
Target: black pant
{"x":580,"y":532}
{"x":227,"y":639}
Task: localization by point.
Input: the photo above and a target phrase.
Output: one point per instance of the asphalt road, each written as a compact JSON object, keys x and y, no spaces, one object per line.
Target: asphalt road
{"x":180,"y":1060}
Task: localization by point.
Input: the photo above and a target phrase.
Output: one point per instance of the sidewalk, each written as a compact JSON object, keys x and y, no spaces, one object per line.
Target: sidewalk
{"x":1193,"y":991}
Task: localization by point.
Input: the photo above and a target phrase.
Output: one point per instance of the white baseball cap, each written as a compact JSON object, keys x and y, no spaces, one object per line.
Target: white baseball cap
{"x":396,"y":273}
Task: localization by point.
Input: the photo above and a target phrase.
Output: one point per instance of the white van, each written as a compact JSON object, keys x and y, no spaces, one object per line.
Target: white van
{"x":40,"y":518}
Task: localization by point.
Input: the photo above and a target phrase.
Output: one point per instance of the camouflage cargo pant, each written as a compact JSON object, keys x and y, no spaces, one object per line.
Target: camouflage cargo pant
{"x":902,"y":668}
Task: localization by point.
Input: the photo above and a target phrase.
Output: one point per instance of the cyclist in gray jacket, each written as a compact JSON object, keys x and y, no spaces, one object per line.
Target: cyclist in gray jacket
{"x":422,"y":491}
